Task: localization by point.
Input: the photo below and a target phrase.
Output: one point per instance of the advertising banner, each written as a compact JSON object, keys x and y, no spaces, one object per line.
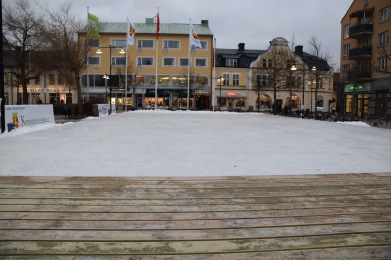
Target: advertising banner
{"x":29,"y":115}
{"x":103,"y":109}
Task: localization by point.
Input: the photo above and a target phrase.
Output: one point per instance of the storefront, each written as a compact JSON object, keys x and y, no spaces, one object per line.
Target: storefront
{"x":231,"y":101}
{"x":357,"y":99}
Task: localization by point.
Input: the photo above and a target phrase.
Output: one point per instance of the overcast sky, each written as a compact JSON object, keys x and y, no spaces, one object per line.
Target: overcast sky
{"x":254,"y":22}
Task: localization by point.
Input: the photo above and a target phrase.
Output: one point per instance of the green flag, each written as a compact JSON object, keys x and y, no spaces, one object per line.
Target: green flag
{"x":93,"y":18}
{"x":93,"y":30}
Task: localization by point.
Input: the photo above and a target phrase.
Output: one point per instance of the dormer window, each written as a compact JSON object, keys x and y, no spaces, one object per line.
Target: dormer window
{"x":231,"y":62}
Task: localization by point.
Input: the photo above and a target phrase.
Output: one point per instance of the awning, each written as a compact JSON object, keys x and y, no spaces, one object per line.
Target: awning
{"x":232,"y":94}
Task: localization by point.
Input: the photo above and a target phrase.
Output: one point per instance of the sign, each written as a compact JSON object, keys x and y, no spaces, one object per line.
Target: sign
{"x":29,"y":115}
{"x":43,"y":90}
{"x":230,"y":94}
{"x":103,"y":109}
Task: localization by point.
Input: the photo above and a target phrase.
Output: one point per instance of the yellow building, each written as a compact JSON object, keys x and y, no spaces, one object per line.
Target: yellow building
{"x":254,"y":80}
{"x":160,"y":63}
{"x":365,"y":57}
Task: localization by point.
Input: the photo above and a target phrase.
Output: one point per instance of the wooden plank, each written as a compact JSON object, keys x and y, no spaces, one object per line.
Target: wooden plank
{"x":193,"y":235}
{"x":216,"y":218}
{"x":194,"y":247}
{"x":189,"y":223}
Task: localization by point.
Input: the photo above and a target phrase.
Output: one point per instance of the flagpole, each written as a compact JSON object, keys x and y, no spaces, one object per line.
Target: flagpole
{"x":214,"y":74}
{"x":188,"y":67}
{"x":87,"y":50}
{"x":157,"y":46}
{"x":126,"y":65}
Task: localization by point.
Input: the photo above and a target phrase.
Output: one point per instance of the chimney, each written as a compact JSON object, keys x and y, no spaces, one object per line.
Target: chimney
{"x":299,"y":50}
{"x":241,"y":46}
{"x":205,"y":22}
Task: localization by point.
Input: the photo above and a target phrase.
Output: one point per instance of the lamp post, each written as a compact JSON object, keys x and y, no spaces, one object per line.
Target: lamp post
{"x":99,"y":51}
{"x":221,"y":79}
{"x":106,"y":77}
{"x":316,"y":90}
{"x":292,"y":68}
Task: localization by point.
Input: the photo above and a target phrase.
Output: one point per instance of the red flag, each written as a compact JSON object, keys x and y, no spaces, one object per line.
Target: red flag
{"x":157,"y":25}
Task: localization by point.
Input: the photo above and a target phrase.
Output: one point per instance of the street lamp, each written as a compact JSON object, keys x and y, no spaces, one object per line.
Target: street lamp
{"x":293,"y":68}
{"x":99,"y":51}
{"x":106,"y":77}
{"x":221,"y":79}
{"x":316,"y":90}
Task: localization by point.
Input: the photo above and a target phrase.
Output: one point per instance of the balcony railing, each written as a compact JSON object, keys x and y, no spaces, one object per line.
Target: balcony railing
{"x":361,"y":30}
{"x":359,"y":53}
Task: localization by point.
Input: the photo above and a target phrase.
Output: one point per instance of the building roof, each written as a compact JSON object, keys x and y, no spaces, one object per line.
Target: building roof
{"x":236,"y":52}
{"x":150,"y":28}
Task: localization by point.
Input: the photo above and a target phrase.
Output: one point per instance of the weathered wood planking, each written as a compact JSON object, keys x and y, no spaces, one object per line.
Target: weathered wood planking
{"x":250,"y":217}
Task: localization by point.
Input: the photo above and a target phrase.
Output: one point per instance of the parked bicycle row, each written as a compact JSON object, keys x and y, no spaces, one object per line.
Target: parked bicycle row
{"x":334,"y":116}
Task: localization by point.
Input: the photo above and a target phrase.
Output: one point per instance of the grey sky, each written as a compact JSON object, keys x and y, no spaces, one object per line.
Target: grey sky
{"x":254,"y":22}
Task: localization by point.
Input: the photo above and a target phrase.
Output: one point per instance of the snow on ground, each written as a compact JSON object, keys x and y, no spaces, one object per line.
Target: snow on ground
{"x":184,"y":143}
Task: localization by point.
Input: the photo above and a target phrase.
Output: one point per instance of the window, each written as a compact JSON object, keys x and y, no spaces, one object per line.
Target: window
{"x":231,"y":62}
{"x":200,"y":62}
{"x":267,"y":63}
{"x":204,"y":45}
{"x":382,"y":63}
{"x":364,"y":43}
{"x":94,"y":61}
{"x":118,"y":61}
{"x":235,"y":79}
{"x":171,"y":44}
{"x":384,"y":15}
{"x":346,"y":49}
{"x":345,"y":71}
{"x":169,"y":62}
{"x":346,"y":31}
{"x":145,"y":61}
{"x":148,"y":44}
{"x":383,"y":39}
{"x":51,"y":79}
{"x":118,"y":43}
{"x":226,"y":79}
{"x":183,"y":62}
{"x":91,"y":43}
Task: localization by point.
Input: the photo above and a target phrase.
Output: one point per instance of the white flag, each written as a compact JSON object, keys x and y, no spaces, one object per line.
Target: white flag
{"x":194,"y":40}
{"x":130,"y":34}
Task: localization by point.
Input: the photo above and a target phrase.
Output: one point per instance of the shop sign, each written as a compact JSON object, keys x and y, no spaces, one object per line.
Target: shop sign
{"x":359,"y":88}
{"x":43,"y":90}
{"x":230,"y":94}
{"x":29,"y":115}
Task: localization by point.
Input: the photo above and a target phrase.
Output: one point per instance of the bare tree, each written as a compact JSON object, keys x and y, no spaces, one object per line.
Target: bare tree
{"x":276,"y":67}
{"x":22,"y":28}
{"x":315,"y":49}
{"x":61,"y":32}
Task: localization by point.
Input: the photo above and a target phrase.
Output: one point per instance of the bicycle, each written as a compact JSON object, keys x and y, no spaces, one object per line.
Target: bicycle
{"x":370,"y":119}
{"x":380,"y":122}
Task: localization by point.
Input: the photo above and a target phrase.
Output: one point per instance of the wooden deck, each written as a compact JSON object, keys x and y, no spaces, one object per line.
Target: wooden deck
{"x":272,"y":217}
